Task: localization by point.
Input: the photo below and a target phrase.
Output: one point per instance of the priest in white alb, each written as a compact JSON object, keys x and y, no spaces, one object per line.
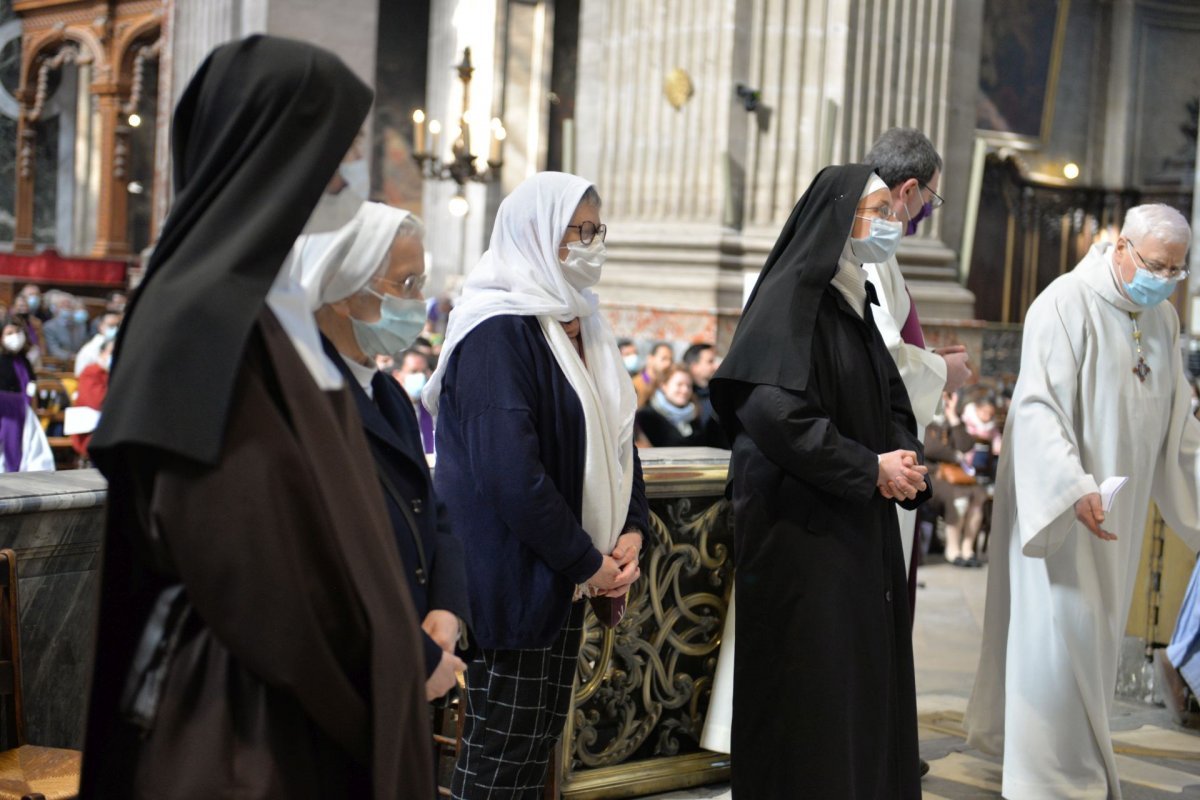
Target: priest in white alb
{"x":1101,"y":394}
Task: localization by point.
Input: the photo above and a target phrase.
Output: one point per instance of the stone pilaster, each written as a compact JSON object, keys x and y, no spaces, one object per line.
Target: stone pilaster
{"x":696,"y":196}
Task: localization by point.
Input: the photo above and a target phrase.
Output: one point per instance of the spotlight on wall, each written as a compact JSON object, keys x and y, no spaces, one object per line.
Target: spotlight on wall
{"x":135,"y":120}
{"x":748,"y":96}
{"x":1070,"y":170}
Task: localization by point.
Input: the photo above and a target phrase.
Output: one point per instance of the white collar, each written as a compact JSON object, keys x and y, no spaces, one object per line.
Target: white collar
{"x":363,"y":374}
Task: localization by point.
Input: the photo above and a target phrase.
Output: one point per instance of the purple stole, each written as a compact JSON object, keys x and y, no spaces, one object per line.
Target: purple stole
{"x":13,"y":408}
{"x":426,"y":421}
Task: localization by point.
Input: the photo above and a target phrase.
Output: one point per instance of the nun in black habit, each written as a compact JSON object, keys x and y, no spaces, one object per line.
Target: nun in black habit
{"x":824,"y":442}
{"x":256,"y":637}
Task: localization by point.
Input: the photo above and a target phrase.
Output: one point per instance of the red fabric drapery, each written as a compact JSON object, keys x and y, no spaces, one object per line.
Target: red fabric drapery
{"x":49,"y":267}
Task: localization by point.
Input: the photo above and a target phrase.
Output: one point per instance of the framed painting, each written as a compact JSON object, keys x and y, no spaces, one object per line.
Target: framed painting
{"x":1020,"y":54}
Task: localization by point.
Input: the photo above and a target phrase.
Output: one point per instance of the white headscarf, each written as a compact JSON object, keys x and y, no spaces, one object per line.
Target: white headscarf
{"x":520,"y":274}
{"x":326,"y":267}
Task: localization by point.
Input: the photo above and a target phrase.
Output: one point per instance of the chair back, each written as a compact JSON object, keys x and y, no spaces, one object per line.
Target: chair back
{"x":12,"y":719}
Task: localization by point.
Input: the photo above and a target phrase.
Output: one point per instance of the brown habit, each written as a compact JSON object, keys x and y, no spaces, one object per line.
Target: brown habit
{"x":299,"y":673}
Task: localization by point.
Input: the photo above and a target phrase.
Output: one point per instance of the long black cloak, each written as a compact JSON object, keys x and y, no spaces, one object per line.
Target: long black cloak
{"x":256,"y":637}
{"x":824,"y":698}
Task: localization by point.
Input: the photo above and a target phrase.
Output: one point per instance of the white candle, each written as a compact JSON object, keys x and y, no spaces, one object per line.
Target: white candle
{"x":435,"y":136}
{"x":498,"y":136}
{"x":419,"y":132}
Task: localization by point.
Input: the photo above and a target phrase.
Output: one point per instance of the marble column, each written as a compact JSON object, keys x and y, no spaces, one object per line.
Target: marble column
{"x":194,"y":27}
{"x":695,"y":196}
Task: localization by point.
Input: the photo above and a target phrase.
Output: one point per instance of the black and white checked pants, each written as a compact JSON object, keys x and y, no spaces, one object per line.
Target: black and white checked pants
{"x":516,"y":706}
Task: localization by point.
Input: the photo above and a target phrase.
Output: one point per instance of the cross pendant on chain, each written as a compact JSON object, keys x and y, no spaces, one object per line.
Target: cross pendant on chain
{"x":1142,"y":369}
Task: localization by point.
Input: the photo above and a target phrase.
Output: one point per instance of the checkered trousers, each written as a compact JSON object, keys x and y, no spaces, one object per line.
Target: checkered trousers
{"x":516,"y":707}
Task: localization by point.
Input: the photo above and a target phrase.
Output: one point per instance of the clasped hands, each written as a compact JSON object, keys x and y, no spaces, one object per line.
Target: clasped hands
{"x":900,"y":476}
{"x":618,"y":571}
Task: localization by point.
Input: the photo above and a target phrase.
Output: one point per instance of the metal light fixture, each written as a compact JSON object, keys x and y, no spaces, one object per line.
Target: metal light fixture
{"x":462,"y":165}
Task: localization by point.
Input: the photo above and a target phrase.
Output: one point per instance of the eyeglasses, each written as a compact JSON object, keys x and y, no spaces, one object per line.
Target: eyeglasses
{"x":588,"y":231}
{"x":409,"y":287}
{"x":1159,"y":270}
{"x":881,"y":211}
{"x":936,"y":201}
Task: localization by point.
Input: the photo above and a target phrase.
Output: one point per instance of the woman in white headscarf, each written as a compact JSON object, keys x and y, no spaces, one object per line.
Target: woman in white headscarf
{"x":363,"y":282}
{"x":537,"y":468}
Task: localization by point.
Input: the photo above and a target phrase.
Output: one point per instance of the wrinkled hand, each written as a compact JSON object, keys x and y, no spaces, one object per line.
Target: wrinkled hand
{"x":900,"y":476}
{"x":442,"y":627}
{"x":1090,"y":511}
{"x":443,"y":678}
{"x":958,"y":366}
{"x":627,"y":554}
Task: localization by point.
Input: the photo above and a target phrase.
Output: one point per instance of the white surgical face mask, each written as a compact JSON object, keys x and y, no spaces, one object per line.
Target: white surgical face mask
{"x":357,"y":177}
{"x":414,"y":382}
{"x":583,"y":264}
{"x":880,"y":242}
{"x":13,"y":342}
{"x":401,"y":320}
{"x":632,"y":363}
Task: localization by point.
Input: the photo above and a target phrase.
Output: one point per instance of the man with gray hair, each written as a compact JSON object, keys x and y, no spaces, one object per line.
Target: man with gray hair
{"x":1099,"y":425}
{"x":908,"y":163}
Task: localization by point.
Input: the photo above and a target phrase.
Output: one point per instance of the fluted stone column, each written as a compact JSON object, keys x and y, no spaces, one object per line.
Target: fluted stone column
{"x":195,"y":27}
{"x":694,"y":197}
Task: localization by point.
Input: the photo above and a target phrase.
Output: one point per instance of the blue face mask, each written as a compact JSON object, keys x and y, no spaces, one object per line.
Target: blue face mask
{"x":80,"y":315}
{"x":879,"y":244}
{"x":401,"y":321}
{"x":1147,"y":290}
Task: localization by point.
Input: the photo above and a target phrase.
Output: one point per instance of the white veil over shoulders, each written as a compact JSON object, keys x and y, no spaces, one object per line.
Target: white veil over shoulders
{"x":520,"y":274}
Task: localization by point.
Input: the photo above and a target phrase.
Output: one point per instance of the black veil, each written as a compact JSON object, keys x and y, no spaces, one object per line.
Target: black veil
{"x":257,"y":135}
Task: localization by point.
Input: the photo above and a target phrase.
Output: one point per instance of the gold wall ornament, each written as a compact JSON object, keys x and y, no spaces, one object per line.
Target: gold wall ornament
{"x":678,"y":87}
{"x":642,"y":690}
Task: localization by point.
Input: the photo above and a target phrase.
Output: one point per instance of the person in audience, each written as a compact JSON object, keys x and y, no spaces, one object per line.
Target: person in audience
{"x":66,"y":333}
{"x":93,"y":388}
{"x":32,"y":327}
{"x":537,"y":467}
{"x":629,"y":356}
{"x":958,"y":498}
{"x":365,"y":285}
{"x":824,"y":446}
{"x":701,"y":361}
{"x":256,"y":634}
{"x":24,"y":442}
{"x":672,"y":417}
{"x":36,"y":304}
{"x":646,"y":382}
{"x":423,"y":346}
{"x":413,"y":373}
{"x":110,"y":322}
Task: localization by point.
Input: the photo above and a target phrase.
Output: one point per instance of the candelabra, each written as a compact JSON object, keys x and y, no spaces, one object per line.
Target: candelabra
{"x":462,"y":165}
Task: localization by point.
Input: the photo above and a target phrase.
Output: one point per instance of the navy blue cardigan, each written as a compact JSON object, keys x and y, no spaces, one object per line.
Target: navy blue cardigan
{"x":510,"y":454}
{"x":436,"y":577}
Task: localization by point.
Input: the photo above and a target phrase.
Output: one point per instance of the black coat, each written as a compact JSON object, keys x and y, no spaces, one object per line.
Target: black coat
{"x":433,"y":558}
{"x":824,"y":697}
